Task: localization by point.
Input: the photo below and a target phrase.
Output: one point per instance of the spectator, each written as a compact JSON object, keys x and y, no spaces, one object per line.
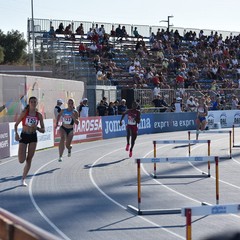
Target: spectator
{"x":122,"y":107}
{"x":60,"y":29}
{"x":132,"y":69}
{"x":57,"y":108}
{"x":83,"y":108}
{"x":110,"y":109}
{"x":152,"y":38}
{"x":136,"y":34}
{"x":235,"y":103}
{"x":119,"y":33}
{"x":68,"y":29}
{"x":101,"y":109}
{"x":159,"y":102}
{"x":115,"y":107}
{"x":80,"y":30}
{"x":113,"y":32}
{"x":124,"y":32}
{"x":178,"y":105}
{"x":90,"y":34}
{"x":83,"y":50}
{"x":101,"y":75}
{"x":105,"y":101}
{"x":191,"y":106}
{"x":156,"y":90}
{"x":51,"y":32}
{"x":93,"y":48}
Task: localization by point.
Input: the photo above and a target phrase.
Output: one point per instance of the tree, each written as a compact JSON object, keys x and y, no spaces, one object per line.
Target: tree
{"x":13,"y":45}
{"x":1,"y":54}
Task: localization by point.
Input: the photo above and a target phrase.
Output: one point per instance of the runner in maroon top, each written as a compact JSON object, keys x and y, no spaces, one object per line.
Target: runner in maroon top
{"x":132,"y":125}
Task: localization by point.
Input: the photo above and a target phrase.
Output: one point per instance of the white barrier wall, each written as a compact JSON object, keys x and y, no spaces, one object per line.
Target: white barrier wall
{"x":15,"y":91}
{"x":45,"y":140}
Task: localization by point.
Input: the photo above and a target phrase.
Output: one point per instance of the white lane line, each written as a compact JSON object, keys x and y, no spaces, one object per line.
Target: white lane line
{"x":14,"y":159}
{"x":117,"y":203}
{"x":38,"y":208}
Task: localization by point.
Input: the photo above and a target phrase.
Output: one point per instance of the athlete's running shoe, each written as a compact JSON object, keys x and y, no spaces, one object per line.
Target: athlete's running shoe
{"x":23,"y":183}
{"x":60,"y":159}
{"x":130,"y":154}
{"x":127,"y":147}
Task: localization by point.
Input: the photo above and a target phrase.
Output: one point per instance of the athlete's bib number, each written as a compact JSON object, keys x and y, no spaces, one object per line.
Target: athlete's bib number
{"x":67,"y":119}
{"x":30,"y":121}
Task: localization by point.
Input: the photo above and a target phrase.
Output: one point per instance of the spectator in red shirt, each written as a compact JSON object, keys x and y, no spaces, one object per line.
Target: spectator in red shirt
{"x":83,"y":50}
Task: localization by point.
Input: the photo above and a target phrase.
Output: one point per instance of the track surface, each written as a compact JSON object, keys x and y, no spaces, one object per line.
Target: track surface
{"x":86,"y":196}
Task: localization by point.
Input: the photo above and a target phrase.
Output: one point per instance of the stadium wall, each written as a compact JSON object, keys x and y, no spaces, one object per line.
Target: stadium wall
{"x":16,"y":89}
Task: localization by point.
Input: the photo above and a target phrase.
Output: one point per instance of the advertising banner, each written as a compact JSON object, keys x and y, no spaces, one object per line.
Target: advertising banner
{"x":170,"y":122}
{"x":4,"y":140}
{"x":45,"y":140}
{"x":226,"y":118}
{"x":112,"y":128}
{"x":150,"y":123}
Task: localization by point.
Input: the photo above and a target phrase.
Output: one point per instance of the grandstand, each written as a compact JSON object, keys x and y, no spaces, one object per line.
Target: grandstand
{"x":202,"y":49}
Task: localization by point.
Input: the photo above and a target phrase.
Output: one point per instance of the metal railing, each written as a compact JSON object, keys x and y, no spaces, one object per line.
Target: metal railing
{"x":15,"y":228}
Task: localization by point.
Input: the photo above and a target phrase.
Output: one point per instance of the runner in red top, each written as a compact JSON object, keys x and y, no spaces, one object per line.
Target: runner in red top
{"x":30,"y":119}
{"x":134,"y":117}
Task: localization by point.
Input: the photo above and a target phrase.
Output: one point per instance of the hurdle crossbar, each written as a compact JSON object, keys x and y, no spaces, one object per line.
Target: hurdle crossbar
{"x":189,"y":142}
{"x":206,"y":210}
{"x":213,"y":132}
{"x":139,"y":211}
{"x":233,"y":134}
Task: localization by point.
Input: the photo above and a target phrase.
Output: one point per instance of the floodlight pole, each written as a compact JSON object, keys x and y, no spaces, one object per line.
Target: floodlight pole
{"x":33,"y":40}
{"x":168,"y":22}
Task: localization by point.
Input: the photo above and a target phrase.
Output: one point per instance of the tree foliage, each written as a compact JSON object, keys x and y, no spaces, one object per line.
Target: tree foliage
{"x":13,"y":45}
{"x":1,"y":54}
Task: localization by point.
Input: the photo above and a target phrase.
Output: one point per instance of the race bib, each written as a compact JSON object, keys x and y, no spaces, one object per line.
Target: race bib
{"x":31,"y":121}
{"x":67,"y":119}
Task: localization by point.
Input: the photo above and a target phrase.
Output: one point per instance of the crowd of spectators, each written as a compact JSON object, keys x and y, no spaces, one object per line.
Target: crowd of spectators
{"x":166,"y":59}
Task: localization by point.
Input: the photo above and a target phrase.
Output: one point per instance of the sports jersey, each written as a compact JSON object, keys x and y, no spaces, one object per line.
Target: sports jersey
{"x":30,"y":120}
{"x":67,"y":116}
{"x":133,"y":117}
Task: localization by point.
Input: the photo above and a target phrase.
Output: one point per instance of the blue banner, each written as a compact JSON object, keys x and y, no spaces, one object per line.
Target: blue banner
{"x":150,"y":123}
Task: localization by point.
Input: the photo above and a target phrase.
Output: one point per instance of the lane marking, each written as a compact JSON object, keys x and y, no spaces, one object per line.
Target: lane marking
{"x":117,"y":203}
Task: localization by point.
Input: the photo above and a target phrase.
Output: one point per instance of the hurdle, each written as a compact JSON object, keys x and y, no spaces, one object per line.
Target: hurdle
{"x":212,"y":132}
{"x":233,"y":134}
{"x":189,"y":142}
{"x":139,"y":211}
{"x":206,"y":210}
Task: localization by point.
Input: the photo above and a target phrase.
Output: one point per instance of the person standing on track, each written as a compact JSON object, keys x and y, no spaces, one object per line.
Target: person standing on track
{"x":134,"y":117}
{"x":69,"y":118}
{"x":202,"y":112}
{"x":30,"y":118}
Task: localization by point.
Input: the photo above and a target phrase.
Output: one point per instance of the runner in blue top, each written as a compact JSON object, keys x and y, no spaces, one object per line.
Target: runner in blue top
{"x":202,"y":112}
{"x":69,"y":117}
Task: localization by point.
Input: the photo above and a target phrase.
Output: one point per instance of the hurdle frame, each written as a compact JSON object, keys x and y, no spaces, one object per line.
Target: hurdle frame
{"x":189,"y":142}
{"x":206,"y":210}
{"x":212,"y":132}
{"x":233,"y":134}
{"x":139,"y":211}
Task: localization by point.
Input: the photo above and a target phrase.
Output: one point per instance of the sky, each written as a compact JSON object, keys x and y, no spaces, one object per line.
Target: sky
{"x":202,"y":14}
